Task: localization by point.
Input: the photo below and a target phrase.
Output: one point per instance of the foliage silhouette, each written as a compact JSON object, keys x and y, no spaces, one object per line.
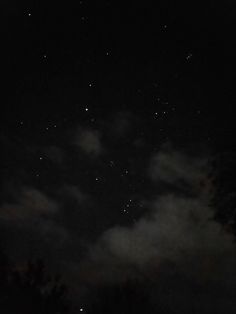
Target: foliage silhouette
{"x":225,"y":197}
{"x":126,"y":298}
{"x":30,"y":290}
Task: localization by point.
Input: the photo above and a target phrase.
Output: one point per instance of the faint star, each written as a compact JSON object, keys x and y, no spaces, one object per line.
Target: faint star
{"x":111,"y":163}
{"x":189,"y":56}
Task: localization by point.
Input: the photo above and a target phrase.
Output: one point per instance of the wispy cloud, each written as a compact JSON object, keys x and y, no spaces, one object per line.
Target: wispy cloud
{"x":89,"y":141}
{"x":30,"y":204}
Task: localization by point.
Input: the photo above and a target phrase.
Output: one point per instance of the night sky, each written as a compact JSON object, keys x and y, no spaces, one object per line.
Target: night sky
{"x":114,"y":121}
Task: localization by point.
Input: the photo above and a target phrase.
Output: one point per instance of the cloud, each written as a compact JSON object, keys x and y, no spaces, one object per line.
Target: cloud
{"x":175,"y":228}
{"x":33,"y":212}
{"x":73,"y":192}
{"x":178,"y":169}
{"x":177,"y":236}
{"x":89,"y":142}
{"x":32,"y":203}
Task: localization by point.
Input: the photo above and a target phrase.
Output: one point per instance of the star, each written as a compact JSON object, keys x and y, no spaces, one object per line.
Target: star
{"x":111,"y":163}
{"x":189,"y":56}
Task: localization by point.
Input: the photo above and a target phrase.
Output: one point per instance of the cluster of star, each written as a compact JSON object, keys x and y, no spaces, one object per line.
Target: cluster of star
{"x":127,"y":207}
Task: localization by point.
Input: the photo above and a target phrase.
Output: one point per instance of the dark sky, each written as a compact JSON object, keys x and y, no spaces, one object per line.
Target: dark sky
{"x":110,"y":115}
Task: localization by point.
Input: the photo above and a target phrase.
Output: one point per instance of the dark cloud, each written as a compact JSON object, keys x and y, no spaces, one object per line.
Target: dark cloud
{"x":181,"y":171}
{"x":176,"y":236}
{"x":31,"y":203}
{"x":30,"y":225}
{"x":74,"y":192}
{"x":173,"y":167}
{"x":89,"y":142}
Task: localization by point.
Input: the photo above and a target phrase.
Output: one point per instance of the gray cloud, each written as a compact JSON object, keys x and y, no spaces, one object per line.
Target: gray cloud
{"x":178,"y":169}
{"x":176,"y":236}
{"x":89,"y":142}
{"x":31,"y":203}
{"x":74,"y":192}
{"x":31,"y":223}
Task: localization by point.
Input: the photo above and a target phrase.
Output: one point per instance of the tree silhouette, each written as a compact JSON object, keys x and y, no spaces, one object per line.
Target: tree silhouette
{"x":225,"y":196}
{"x":127,"y":298}
{"x":30,"y":290}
